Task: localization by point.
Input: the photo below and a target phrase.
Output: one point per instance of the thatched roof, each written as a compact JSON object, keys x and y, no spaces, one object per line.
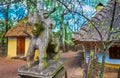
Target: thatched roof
{"x":102,"y":21}
{"x":18,"y":30}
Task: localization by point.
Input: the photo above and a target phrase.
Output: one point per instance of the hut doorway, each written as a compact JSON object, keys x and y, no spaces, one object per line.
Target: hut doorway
{"x":20,"y":46}
{"x":114,"y":52}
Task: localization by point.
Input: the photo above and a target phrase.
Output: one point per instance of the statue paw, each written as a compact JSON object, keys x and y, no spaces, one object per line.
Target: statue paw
{"x":41,"y":66}
{"x":28,"y":65}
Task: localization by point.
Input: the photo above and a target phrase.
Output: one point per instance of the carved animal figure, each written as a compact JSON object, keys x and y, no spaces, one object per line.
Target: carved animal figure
{"x":42,"y":40}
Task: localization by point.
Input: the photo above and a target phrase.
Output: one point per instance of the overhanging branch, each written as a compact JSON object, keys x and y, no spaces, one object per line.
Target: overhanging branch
{"x":33,"y":2}
{"x":8,"y":2}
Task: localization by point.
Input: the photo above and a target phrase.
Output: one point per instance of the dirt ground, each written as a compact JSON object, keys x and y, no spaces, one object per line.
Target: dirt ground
{"x":73,"y":65}
{"x":8,"y":67}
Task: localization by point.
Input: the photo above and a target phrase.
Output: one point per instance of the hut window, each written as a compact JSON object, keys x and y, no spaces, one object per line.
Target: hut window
{"x":114,"y":52}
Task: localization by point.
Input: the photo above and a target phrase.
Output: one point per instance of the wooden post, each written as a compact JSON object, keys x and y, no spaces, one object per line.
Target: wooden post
{"x":85,"y":67}
{"x":65,"y":74}
{"x":118,"y":73}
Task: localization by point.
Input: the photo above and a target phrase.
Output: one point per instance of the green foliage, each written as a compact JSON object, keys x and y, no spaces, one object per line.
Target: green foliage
{"x":2,"y":32}
{"x":68,"y":40}
{"x":63,"y":34}
{"x":92,"y":72}
{"x":56,"y":34}
{"x":118,"y":0}
{"x":117,"y":36}
{"x":90,"y":25}
{"x":30,"y":6}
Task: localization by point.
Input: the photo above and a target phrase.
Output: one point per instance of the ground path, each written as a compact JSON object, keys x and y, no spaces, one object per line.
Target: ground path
{"x":8,"y":67}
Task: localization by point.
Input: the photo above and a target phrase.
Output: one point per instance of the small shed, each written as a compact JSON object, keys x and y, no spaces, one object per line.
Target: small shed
{"x":18,"y":41}
{"x":88,"y":35}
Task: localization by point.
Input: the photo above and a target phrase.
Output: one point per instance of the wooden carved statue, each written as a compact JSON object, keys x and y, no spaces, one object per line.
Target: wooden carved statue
{"x":42,"y":40}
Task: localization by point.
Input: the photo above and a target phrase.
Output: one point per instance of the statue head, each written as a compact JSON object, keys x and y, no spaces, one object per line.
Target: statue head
{"x":37,"y":29}
{"x":36,"y":21}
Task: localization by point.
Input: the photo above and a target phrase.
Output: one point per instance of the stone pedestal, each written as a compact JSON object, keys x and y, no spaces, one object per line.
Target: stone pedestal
{"x":55,"y":69}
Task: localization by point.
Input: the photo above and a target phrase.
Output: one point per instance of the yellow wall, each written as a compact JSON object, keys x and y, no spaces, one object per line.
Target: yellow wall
{"x":36,"y":55}
{"x":27,"y":41}
{"x":12,"y":46}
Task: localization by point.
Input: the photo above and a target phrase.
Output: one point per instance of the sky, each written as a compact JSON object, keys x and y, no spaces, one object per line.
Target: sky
{"x":15,"y":12}
{"x":18,"y":12}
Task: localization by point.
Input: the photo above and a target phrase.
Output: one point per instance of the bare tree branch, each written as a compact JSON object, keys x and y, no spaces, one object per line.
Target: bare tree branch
{"x":53,"y":10}
{"x":114,"y":32}
{"x":8,"y":2}
{"x":33,"y":2}
{"x":113,"y":19}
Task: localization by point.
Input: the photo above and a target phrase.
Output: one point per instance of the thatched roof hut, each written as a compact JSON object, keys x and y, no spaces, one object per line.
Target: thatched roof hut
{"x":102,"y":21}
{"x":92,"y":36}
{"x":18,"y":40}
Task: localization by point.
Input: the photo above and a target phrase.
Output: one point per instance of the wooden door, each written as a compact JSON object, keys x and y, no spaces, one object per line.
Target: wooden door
{"x":20,"y":46}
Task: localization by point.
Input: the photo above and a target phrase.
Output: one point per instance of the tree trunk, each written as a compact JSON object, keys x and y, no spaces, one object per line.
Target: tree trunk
{"x":40,"y":5}
{"x":66,"y":38}
{"x":6,"y":19}
{"x":102,"y":65}
{"x":105,"y":50}
{"x":85,"y":65}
